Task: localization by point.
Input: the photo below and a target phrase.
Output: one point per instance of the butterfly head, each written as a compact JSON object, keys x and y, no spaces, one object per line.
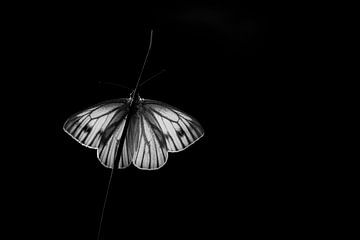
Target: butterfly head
{"x":134,"y":96}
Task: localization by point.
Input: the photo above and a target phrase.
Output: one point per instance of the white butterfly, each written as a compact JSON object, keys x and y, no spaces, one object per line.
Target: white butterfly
{"x":146,"y":130}
{"x":153,"y":129}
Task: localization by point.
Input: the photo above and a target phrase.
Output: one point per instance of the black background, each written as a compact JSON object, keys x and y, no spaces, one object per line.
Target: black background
{"x":231,"y":66}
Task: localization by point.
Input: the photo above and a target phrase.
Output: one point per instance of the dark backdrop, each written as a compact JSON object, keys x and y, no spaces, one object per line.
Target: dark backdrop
{"x":228,"y":65}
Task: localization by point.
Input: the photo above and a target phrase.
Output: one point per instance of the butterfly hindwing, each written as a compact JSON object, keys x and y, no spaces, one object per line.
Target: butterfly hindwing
{"x":151,"y":151}
{"x":131,"y":142}
{"x":108,"y":149}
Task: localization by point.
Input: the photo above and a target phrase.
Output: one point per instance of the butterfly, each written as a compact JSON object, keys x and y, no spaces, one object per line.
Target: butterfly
{"x":134,"y":130}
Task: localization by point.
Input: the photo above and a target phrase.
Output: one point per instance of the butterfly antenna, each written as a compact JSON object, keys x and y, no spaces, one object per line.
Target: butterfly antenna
{"x":153,"y":76}
{"x":147,"y":54}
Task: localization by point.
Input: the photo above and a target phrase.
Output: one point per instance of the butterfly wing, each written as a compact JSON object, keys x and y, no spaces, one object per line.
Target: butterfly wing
{"x":180,"y":129}
{"x":100,"y":127}
{"x":161,"y":129}
{"x":150,"y":150}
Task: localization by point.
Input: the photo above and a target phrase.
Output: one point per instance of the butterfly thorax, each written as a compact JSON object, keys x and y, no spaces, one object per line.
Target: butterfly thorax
{"x":135,"y":103}
{"x":134,"y":98}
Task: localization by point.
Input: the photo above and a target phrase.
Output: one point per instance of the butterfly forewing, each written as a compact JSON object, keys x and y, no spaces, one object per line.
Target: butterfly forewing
{"x":95,"y":126}
{"x":180,"y":130}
